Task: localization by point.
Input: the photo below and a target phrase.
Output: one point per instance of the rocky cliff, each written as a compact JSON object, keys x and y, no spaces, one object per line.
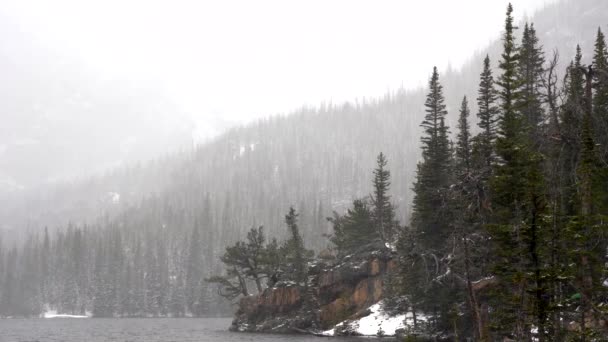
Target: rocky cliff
{"x":337,"y":291}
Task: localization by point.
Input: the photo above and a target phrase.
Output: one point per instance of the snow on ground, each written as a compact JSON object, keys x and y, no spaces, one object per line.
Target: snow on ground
{"x":54,"y":314}
{"x":114,"y":197}
{"x":377,"y":321}
{"x":330,"y":332}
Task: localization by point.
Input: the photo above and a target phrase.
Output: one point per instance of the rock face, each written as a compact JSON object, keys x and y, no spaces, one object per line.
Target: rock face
{"x":337,"y":292}
{"x":271,"y":310}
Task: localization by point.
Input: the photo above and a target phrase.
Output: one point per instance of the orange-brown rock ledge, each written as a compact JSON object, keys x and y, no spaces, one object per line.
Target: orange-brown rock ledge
{"x":337,"y":292}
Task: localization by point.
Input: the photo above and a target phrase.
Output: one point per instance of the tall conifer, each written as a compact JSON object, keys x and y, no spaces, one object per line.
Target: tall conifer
{"x":433,"y":173}
{"x":530,"y":70}
{"x":517,"y":198}
{"x":487,"y":115}
{"x":194,"y":268}
{"x":384,"y":212}
{"x":600,"y":99}
{"x":463,"y":140}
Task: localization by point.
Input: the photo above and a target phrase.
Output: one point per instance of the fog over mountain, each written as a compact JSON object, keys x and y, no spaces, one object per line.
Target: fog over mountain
{"x":201,"y":160}
{"x":321,"y":155}
{"x":65,"y":120}
{"x":88,"y":88}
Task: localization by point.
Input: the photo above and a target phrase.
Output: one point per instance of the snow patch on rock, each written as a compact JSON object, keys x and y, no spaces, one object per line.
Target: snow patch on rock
{"x":378,"y":322}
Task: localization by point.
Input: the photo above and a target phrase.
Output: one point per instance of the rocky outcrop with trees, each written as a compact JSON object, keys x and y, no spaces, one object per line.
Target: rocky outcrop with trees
{"x":508,"y":236}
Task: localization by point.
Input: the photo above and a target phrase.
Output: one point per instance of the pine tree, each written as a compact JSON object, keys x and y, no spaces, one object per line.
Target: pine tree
{"x":413,"y":279}
{"x":433,"y":173}
{"x":463,"y":140}
{"x":383,"y":210}
{"x":253,"y":260}
{"x":518,"y":203}
{"x":508,"y":192}
{"x":508,"y":79}
{"x":431,"y":215}
{"x":272,"y":262}
{"x":584,"y":225}
{"x":295,"y":253}
{"x":46,"y":267}
{"x":564,"y":150}
{"x":248,"y":256}
{"x":163,"y":277}
{"x":488,"y":115}
{"x":571,"y":115}
{"x":600,"y":100}
{"x":152,"y":279}
{"x":355,"y":229}
{"x":177,"y":298}
{"x":510,"y":126}
{"x":297,"y":258}
{"x":10,"y":296}
{"x":127,"y":308}
{"x":530,"y":70}
{"x":508,"y":181}
{"x":29,"y":269}
{"x":256,"y":241}
{"x":600,"y":117}
{"x":194,"y":273}
{"x":116,"y":261}
{"x":101,"y":286}
{"x":139,"y":295}
{"x":79,"y":269}
{"x":588,"y":243}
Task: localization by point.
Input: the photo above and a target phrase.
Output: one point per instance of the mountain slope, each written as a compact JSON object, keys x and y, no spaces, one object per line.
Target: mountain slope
{"x":159,"y":228}
{"x":63,"y":119}
{"x":317,"y":159}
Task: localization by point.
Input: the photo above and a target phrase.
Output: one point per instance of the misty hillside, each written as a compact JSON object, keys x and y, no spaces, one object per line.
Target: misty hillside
{"x":328,"y":214}
{"x":68,"y":120}
{"x":317,"y":159}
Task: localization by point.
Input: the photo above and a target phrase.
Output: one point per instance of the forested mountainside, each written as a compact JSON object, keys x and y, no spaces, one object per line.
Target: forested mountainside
{"x":317,"y":160}
{"x":360,"y":129}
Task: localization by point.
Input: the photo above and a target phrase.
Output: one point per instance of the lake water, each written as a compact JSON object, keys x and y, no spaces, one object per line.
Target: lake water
{"x":138,"y":330}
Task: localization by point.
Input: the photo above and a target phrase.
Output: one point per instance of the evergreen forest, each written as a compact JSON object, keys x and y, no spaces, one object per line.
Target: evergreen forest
{"x":499,"y":233}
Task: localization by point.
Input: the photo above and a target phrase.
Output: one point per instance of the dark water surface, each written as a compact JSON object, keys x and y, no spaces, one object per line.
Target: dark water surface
{"x":137,"y":330}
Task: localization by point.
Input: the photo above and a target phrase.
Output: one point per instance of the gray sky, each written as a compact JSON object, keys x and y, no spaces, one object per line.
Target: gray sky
{"x":240,"y":60}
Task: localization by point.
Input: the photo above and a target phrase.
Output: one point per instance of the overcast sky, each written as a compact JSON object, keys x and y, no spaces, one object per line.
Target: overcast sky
{"x":245,"y":59}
